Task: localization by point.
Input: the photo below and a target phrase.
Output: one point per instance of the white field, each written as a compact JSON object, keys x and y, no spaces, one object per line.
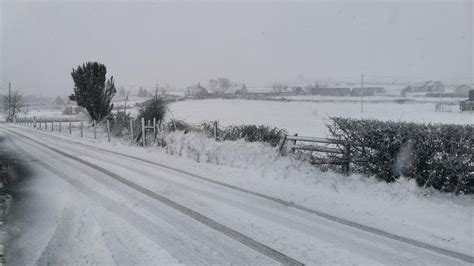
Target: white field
{"x":308,"y":118}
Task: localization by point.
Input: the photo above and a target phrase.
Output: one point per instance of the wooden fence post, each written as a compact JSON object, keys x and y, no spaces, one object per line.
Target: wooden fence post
{"x":143,"y":132}
{"x":215,"y":130}
{"x":39,"y":123}
{"x":45,"y":125}
{"x":294,"y":142}
{"x":347,"y":158}
{"x":131,"y":129}
{"x":108,"y":130}
{"x":60,"y":127}
{"x":70,"y":127}
{"x":154,"y":127}
{"x":95,"y":131}
{"x":52,"y":125}
{"x":82,"y":129}
{"x":282,"y":143}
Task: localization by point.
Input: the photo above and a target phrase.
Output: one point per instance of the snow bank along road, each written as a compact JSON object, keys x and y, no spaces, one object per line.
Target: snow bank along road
{"x":92,"y":206}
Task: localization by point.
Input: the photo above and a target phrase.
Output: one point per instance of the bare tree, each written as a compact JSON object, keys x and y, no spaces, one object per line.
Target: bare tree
{"x":13,"y":103}
{"x":224,"y":84}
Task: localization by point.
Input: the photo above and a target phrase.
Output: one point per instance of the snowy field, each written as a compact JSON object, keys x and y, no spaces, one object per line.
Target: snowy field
{"x":51,"y":113}
{"x":306,"y":118}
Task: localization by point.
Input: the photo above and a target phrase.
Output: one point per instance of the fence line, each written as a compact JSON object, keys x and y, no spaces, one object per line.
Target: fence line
{"x":343,"y":149}
{"x":339,"y":152}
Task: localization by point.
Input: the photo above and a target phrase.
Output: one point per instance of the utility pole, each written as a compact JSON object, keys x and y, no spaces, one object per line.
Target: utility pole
{"x":362,"y":93}
{"x":125,"y":105}
{"x":9,"y":98}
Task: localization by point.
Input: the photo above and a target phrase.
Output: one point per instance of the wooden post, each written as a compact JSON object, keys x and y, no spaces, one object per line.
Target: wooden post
{"x":70,"y":127}
{"x":131,"y":129}
{"x":143,"y":132}
{"x":60,"y":127}
{"x":95,"y":131}
{"x":294,"y":142}
{"x":282,"y":143}
{"x":82,"y":129}
{"x":39,"y":123}
{"x":45,"y":125}
{"x":154,"y":127}
{"x":108,"y":130}
{"x":347,"y":157}
{"x":215,"y":130}
{"x":52,"y":125}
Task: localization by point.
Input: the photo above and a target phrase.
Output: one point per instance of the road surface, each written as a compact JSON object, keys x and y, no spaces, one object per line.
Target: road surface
{"x":89,"y":206}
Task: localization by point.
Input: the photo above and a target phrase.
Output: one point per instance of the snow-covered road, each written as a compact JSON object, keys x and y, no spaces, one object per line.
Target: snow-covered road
{"x":87,"y":206}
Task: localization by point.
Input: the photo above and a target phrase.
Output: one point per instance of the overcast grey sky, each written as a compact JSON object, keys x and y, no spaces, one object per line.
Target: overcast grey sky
{"x":182,"y":43}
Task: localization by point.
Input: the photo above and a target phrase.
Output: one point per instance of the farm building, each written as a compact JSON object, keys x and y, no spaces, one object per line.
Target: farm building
{"x":242,"y":91}
{"x":468,"y":105}
{"x":369,"y":91}
{"x":297,"y":90}
{"x":426,"y":86}
{"x":196,"y":91}
{"x":463,"y":90}
{"x":70,"y":108}
{"x":333,"y":91}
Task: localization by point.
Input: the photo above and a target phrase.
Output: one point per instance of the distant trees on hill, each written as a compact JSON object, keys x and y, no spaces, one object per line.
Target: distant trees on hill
{"x":143,"y":93}
{"x":220,"y":84}
{"x":121,"y":92}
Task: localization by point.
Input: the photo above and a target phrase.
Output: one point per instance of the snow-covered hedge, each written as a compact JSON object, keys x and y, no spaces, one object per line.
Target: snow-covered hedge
{"x":436,"y":155}
{"x":249,"y":133}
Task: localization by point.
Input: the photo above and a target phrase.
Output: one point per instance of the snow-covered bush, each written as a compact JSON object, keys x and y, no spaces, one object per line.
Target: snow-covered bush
{"x":253,"y":133}
{"x":155,"y":108}
{"x":119,"y":124}
{"x":179,"y":125}
{"x":436,"y":155}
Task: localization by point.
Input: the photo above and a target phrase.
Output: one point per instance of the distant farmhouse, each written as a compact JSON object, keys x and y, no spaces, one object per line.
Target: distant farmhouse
{"x":333,"y":91}
{"x":70,"y":108}
{"x":468,"y":105}
{"x":343,"y":91}
{"x":241,"y":90}
{"x":463,"y":90}
{"x":369,"y":91}
{"x":196,"y":91}
{"x":426,"y":86}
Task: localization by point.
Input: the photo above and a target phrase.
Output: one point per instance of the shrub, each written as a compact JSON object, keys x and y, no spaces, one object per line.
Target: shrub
{"x":250,"y":133}
{"x":119,"y":124}
{"x":155,"y":108}
{"x":435,"y":155}
{"x":174,"y":125}
{"x":253,"y":133}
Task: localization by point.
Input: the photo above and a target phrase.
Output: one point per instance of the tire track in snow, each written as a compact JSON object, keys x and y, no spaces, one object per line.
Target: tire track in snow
{"x":245,"y":240}
{"x":419,"y":244}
